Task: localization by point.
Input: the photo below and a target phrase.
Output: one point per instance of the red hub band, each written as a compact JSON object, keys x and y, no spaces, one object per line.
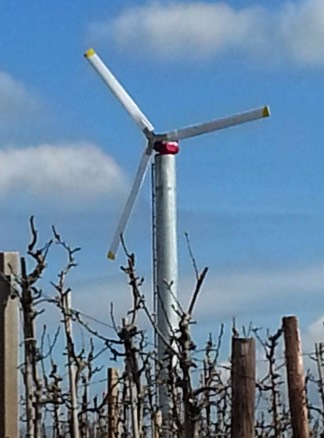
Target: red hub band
{"x":166,"y":147}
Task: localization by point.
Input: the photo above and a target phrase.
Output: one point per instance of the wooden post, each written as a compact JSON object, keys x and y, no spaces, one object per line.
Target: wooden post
{"x":319,"y":361}
{"x":74,"y":419}
{"x":112,"y":402}
{"x":295,"y":377}
{"x":29,"y":340}
{"x":9,"y":262}
{"x":243,"y":387}
{"x":157,"y":424}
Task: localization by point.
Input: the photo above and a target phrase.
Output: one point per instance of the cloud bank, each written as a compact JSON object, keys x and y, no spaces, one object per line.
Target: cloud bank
{"x":16,"y":100}
{"x":66,"y":171}
{"x":262,"y":292}
{"x":196,"y":30}
{"x":254,"y":294}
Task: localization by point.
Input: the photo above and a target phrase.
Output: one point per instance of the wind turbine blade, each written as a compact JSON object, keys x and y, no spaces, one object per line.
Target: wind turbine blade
{"x":226,"y":122}
{"x":118,"y":90}
{"x":139,"y":178}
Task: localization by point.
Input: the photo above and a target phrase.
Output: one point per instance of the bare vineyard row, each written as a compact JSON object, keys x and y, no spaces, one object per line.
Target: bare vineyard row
{"x":209,"y":396}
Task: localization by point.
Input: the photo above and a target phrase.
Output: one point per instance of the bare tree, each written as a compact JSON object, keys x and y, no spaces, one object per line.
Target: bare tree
{"x":58,"y":381}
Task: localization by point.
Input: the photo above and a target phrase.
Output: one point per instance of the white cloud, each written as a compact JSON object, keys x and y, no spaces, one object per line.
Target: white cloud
{"x":262,"y":292}
{"x":313,"y":334}
{"x":65,"y":172}
{"x":302,"y":30}
{"x":316,"y":330}
{"x":16,"y":100}
{"x":194,"y":30}
{"x":253,"y":294}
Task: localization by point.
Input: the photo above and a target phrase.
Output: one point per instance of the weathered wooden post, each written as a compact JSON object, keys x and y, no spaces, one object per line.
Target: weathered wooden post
{"x":319,"y":349}
{"x":67,"y":317}
{"x":243,"y":387}
{"x":157,"y":424}
{"x":295,"y":377}
{"x":9,"y":262}
{"x":112,"y":401}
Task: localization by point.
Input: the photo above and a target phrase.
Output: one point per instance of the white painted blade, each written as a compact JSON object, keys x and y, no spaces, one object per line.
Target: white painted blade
{"x":118,"y":90}
{"x":226,"y":122}
{"x":139,"y":178}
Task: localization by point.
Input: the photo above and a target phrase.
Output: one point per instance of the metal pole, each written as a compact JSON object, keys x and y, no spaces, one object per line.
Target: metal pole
{"x":167,"y":263}
{"x":9,"y":262}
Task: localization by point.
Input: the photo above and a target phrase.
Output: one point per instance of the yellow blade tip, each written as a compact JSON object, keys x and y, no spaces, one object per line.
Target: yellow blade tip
{"x":89,"y":53}
{"x":111,"y":255}
{"x":266,"y":111}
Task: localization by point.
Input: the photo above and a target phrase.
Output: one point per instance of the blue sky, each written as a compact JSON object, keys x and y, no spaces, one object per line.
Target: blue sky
{"x":251,"y":198}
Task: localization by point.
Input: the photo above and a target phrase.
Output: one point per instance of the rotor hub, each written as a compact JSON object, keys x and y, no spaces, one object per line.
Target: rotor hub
{"x":166,"y":147}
